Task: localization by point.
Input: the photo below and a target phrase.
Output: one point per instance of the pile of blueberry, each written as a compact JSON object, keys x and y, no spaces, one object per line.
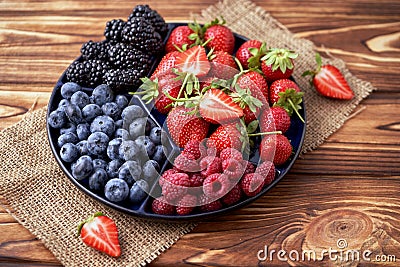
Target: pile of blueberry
{"x":113,"y":147}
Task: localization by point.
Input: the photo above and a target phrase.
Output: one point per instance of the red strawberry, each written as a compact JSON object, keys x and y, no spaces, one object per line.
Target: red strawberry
{"x":218,"y":107}
{"x":221,"y":37}
{"x":256,"y":83}
{"x":278,"y":64}
{"x":223,"y":66}
{"x":193,"y":61}
{"x":101,"y":233}
{"x":275,"y":148}
{"x":167,"y":63}
{"x":274,"y":119}
{"x":225,"y":136}
{"x":184,"y":126}
{"x":179,"y":37}
{"x":329,"y":81}
{"x":286,"y":94}
{"x":243,"y":54}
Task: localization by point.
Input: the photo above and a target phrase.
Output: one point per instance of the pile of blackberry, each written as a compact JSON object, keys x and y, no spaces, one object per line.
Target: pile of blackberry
{"x":125,"y":55}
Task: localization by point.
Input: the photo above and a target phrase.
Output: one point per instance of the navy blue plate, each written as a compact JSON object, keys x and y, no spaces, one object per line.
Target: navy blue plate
{"x":295,"y":134}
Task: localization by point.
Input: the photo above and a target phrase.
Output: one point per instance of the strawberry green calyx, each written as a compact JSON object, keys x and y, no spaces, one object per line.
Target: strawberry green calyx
{"x":91,"y":218}
{"x":279,"y":58}
{"x":312,"y":73}
{"x":244,"y":98}
{"x":149,"y":89}
{"x":258,"y":53}
{"x":198,"y":31}
{"x":290,"y":100}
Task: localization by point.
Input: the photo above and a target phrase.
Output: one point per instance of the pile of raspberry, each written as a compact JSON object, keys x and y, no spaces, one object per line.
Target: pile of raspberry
{"x":203,"y":181}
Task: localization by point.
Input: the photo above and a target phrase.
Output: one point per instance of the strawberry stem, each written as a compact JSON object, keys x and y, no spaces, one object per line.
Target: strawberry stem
{"x":265,"y":133}
{"x":295,"y":110}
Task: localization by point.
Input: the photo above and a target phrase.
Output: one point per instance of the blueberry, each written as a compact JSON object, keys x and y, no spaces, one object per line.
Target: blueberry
{"x":122,"y":133}
{"x":74,"y":113}
{"x":155,"y":135}
{"x":83,"y":131}
{"x":134,"y":168}
{"x":111,"y":109}
{"x":100,"y":163}
{"x":149,"y":146}
{"x":91,"y":111}
{"x":67,"y":138}
{"x":97,"y":143}
{"x":150,"y":124}
{"x":138,"y":191}
{"x":116,"y":190}
{"x":159,"y":154}
{"x":98,"y":179}
{"x":119,"y":124}
{"x":130,"y":113}
{"x":129,"y":150}
{"x":113,"y":148}
{"x":63,"y":103}
{"x":121,"y":101}
{"x":82,"y":168}
{"x":81,"y":99}
{"x":69,"y":152}
{"x":68,"y":128}
{"x":113,"y":167}
{"x":57,"y":119}
{"x":69,"y":88}
{"x":150,"y":171}
{"x":103,"y":124}
{"x":102,"y":94}
{"x":137,"y":127}
{"x":82,"y":147}
{"x":125,"y":174}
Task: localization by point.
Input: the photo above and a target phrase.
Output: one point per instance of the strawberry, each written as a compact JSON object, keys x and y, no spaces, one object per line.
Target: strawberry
{"x":225,"y":136}
{"x":243,"y":54}
{"x":100,"y":233}
{"x":286,"y":94}
{"x":277,"y":64}
{"x":179,"y":37}
{"x":223,"y":66}
{"x":329,"y":81}
{"x":274,"y":119}
{"x":251,"y":105}
{"x":219,"y":37}
{"x":167,"y":63}
{"x":193,"y":61}
{"x":218,"y":107}
{"x":275,"y":148}
{"x":256,"y":83}
{"x":184,"y":126}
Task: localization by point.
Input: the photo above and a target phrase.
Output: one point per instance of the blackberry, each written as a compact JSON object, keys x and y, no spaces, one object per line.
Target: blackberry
{"x":88,"y":73}
{"x":113,"y":30}
{"x":152,"y":16}
{"x":125,"y":56}
{"x":95,"y":50}
{"x":141,"y":34}
{"x":123,"y":79}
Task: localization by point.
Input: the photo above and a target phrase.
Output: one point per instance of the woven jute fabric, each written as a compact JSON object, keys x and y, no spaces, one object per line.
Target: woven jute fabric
{"x":43,"y":199}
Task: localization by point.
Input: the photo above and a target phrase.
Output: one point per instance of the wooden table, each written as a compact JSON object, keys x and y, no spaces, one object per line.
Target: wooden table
{"x":350,"y":184}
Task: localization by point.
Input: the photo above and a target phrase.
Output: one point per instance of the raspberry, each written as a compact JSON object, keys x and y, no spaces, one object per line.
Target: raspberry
{"x":208,"y":205}
{"x":165,"y":175}
{"x":175,"y":186}
{"x":186,"y":163}
{"x":186,"y":205}
{"x":229,"y":153}
{"x":266,"y":170}
{"x":233,"y":196}
{"x":193,"y":148}
{"x":233,"y":169}
{"x":196,"y":183}
{"x":210,"y":165}
{"x":248,"y":167}
{"x":216,"y":185}
{"x":160,"y":206}
{"x":252,"y":184}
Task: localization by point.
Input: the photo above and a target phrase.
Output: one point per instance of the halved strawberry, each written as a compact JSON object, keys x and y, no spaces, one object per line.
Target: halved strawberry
{"x":101,"y":233}
{"x":179,"y":37}
{"x":218,"y":107}
{"x":193,"y":61}
{"x":329,"y":81}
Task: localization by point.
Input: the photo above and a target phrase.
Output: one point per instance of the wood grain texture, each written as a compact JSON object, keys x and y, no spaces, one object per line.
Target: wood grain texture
{"x":348,"y":188}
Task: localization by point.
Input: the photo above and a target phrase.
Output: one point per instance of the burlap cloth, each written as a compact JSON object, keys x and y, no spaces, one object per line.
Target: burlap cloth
{"x":50,"y":206}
